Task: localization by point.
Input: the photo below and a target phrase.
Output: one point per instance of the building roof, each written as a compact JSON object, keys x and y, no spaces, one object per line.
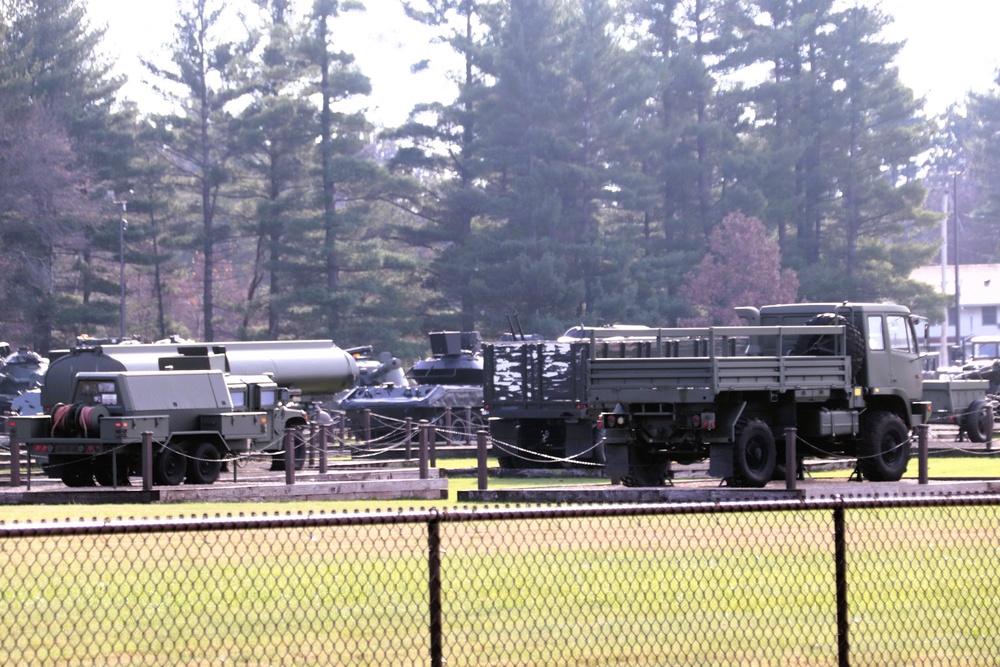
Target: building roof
{"x":979,"y":283}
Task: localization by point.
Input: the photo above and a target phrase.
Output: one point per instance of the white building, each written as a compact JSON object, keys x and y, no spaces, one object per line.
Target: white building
{"x":978,"y":297}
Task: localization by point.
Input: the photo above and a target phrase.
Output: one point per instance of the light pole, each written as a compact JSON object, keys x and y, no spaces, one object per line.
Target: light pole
{"x":122,"y":226}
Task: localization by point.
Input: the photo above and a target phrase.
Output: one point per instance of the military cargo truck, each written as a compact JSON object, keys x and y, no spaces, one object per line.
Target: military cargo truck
{"x":847,"y":376}
{"x":197,"y":419}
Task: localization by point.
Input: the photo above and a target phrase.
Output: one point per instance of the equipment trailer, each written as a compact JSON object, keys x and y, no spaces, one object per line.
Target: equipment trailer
{"x":846,"y":376}
{"x":196,"y":418}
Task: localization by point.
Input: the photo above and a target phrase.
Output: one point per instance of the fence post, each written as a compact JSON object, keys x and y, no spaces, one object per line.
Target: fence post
{"x":409,"y":437}
{"x":311,"y":444}
{"x":424,"y":428}
{"x":922,"y":453}
{"x":434,"y":587}
{"x":791,"y":460}
{"x":989,"y":416}
{"x":481,"y":437}
{"x":840,"y":558}
{"x":15,"y":464}
{"x":366,"y":422}
{"x":322,"y":447}
{"x":147,"y":461}
{"x":432,"y":442}
{"x":289,"y":457}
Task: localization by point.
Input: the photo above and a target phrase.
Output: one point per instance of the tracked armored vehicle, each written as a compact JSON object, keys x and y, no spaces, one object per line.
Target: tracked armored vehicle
{"x":449,"y":383}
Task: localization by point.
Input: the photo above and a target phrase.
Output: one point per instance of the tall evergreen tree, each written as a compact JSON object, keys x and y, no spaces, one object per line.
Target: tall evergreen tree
{"x":203,"y":80}
{"x":439,"y":143}
{"x":54,"y":80}
{"x":275,"y":133}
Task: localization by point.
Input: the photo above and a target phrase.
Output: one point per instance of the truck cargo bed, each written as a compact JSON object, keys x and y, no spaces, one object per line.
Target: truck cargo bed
{"x":670,"y":379}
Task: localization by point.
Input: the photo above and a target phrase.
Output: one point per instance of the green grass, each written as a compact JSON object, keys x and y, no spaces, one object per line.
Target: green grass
{"x":708,"y":589}
{"x":712,"y":589}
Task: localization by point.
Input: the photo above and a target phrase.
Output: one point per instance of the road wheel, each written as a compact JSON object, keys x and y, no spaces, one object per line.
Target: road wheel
{"x":884,"y":450}
{"x":754,"y":454}
{"x":977,"y":422}
{"x":460,"y":427}
{"x":169,"y":467}
{"x":204,"y":464}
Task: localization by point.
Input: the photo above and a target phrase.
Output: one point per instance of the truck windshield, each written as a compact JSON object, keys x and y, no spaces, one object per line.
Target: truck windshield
{"x":986,"y":350}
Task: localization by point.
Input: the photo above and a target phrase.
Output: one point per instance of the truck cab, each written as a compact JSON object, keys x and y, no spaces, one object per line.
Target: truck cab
{"x":880,"y":338}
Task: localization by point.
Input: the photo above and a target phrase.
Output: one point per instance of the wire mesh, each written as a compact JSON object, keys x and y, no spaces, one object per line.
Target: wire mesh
{"x":710,"y":584}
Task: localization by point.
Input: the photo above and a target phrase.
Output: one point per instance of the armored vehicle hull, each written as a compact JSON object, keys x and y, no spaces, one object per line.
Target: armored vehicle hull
{"x":445,"y":390}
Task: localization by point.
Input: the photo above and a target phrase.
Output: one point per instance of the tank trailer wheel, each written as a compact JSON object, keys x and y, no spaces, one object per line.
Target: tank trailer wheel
{"x":204,"y":465}
{"x":754,"y":454}
{"x":977,"y":423}
{"x":885,"y":448}
{"x":169,"y":467}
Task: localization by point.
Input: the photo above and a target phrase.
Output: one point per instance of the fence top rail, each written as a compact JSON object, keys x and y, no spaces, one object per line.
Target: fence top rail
{"x":472,"y":514}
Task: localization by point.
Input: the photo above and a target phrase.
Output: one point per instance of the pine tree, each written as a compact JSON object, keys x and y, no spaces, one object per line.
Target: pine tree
{"x":203,"y":80}
{"x":55,"y":86}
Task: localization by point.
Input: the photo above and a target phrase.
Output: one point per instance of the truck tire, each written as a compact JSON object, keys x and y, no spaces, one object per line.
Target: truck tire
{"x":977,"y":422}
{"x":754,"y":454}
{"x":884,"y":450}
{"x":104,"y":471}
{"x":169,"y":467}
{"x":75,"y":473}
{"x":204,"y":465}
{"x":827,"y":345}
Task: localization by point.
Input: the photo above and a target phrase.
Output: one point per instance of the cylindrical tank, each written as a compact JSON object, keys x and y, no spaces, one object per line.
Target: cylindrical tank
{"x":312,"y":366}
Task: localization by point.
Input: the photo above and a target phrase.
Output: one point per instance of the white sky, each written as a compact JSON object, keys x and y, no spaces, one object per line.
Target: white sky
{"x":951,"y":48}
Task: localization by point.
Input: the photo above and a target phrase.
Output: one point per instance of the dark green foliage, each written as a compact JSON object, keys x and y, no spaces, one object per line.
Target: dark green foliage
{"x":576,"y":177}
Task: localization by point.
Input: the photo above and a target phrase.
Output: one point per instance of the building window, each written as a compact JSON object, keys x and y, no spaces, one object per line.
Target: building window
{"x":990,"y":315}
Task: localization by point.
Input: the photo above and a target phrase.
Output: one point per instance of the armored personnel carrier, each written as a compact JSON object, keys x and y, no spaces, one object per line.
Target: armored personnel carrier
{"x":452,"y":377}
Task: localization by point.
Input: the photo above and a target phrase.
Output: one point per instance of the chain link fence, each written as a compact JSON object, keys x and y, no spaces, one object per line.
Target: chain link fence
{"x":839,"y":582}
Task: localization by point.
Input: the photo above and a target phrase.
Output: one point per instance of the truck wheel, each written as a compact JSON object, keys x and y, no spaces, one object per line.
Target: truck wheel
{"x":754,"y":454}
{"x":103,"y":472}
{"x":885,"y":448}
{"x":204,"y":465}
{"x":298,"y":453}
{"x":76,"y":474}
{"x":169,"y":467}
{"x":977,"y":422}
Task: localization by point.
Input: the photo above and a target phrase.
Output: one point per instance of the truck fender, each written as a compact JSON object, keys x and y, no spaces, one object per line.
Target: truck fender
{"x":720,"y":451}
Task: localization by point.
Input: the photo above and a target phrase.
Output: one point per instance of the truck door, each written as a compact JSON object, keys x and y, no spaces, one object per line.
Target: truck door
{"x":904,"y":366}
